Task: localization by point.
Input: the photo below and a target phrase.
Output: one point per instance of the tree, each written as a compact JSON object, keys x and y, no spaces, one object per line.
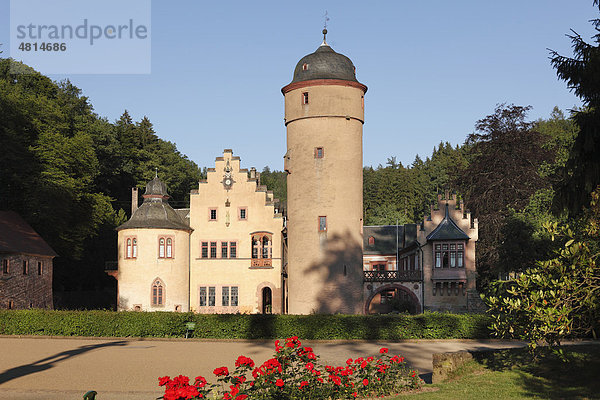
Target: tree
{"x":581,"y":73}
{"x":559,"y":297}
{"x":505,"y":155}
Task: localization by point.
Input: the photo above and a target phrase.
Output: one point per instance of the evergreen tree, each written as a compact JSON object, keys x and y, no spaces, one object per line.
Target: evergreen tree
{"x":582,"y":171}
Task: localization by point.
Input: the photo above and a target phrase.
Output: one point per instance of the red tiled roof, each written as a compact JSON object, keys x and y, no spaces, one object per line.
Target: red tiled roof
{"x":16,"y":236}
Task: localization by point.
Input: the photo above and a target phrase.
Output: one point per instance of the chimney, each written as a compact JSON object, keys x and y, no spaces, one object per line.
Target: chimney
{"x":252,"y":173}
{"x":134,"y":199}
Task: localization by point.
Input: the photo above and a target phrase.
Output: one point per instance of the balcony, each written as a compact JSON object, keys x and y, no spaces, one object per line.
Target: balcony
{"x":392,"y":276}
{"x":261,"y":263}
{"x":449,"y":274}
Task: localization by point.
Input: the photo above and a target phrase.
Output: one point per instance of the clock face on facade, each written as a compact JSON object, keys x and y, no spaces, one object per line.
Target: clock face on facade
{"x":227,"y":179}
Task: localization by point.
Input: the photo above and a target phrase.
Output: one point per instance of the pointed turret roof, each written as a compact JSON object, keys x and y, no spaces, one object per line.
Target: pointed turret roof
{"x":447,"y":230}
{"x":155,"y":212}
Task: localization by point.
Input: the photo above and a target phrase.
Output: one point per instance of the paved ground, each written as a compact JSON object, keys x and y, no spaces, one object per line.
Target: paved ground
{"x":127,"y":369}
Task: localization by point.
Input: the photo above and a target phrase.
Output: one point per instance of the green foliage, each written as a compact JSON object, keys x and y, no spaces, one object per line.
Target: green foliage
{"x":243,"y":326}
{"x":69,"y":173}
{"x":275,"y":181}
{"x":582,"y":170}
{"x":559,"y":297}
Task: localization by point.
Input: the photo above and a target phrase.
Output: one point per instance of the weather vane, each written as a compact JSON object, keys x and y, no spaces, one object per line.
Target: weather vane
{"x":325,"y":27}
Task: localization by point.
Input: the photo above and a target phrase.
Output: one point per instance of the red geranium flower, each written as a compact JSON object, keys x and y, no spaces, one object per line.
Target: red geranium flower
{"x":303,"y":383}
{"x":241,"y":397}
{"x":383,"y":350}
{"x":310,"y":366}
{"x":200,"y":381}
{"x":223,"y":371}
{"x":279,"y":383}
{"x":244,"y":361}
{"x":365,"y":382}
{"x":349,"y":361}
{"x":163,"y":380}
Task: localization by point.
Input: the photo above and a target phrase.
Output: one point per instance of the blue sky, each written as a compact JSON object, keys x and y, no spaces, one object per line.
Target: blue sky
{"x":433,"y":69}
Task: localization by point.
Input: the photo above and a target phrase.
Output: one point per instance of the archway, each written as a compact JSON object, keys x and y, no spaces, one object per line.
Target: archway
{"x":390,"y":298}
{"x":267,"y":300}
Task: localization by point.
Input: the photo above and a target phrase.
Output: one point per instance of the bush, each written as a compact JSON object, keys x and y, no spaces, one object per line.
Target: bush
{"x":244,"y":326}
{"x":294,"y":372}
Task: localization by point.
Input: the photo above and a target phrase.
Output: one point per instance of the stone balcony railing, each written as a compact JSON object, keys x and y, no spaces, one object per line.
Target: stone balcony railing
{"x":261,"y":263}
{"x":392,"y":276}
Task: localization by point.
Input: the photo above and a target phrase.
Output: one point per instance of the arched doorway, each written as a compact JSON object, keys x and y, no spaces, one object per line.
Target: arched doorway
{"x":392,"y":298}
{"x":267,"y":300}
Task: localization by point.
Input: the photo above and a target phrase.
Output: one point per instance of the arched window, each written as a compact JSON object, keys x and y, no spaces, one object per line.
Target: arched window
{"x":169,"y":248}
{"x":161,"y":248}
{"x":158,"y":293}
{"x":128,"y":254}
{"x":371,"y":240}
{"x":262,"y":249}
{"x":134,"y":248}
{"x":266,"y":247}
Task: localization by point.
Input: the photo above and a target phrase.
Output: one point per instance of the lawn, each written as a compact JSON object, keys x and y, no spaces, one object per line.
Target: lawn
{"x":512,"y":374}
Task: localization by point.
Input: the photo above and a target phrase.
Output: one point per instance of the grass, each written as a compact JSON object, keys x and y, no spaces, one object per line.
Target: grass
{"x":512,"y":374}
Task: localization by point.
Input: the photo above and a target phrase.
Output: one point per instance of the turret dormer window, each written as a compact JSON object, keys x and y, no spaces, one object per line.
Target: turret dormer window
{"x":305,"y":67}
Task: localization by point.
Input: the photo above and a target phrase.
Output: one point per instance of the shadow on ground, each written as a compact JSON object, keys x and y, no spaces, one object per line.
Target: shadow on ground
{"x":49,"y":362}
{"x":546,"y":375}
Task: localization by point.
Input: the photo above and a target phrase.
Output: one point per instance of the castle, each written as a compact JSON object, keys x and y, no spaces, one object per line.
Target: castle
{"x":234,"y":250}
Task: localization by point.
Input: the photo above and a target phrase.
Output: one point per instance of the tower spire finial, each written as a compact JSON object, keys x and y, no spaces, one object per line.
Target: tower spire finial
{"x":156,"y":172}
{"x":325,"y":29}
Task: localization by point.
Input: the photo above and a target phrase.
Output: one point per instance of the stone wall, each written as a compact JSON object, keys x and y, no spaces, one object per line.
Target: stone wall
{"x":22,"y":288}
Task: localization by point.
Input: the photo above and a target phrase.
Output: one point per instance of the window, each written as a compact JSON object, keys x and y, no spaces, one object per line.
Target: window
{"x":169,"y":248}
{"x":319,"y":152}
{"x":204,"y":250}
{"x":5,"y":266}
{"x":134,"y":248}
{"x":25,"y":267}
{"x":161,"y":248}
{"x":211,"y":296}
{"x":379,"y":267}
{"x":386,"y":296}
{"x":128,"y":253}
{"x":305,"y":98}
{"x":243,"y":214}
{"x":371,"y":240}
{"x":261,"y":246}
{"x":234,"y":296}
{"x":322,"y":224}
{"x":39,"y":268}
{"x":158,"y":293}
{"x":449,"y":255}
{"x":232,"y":249}
{"x":225,"y":296}
{"x":223,"y":249}
{"x":10,"y":304}
{"x":304,"y":67}
{"x":213,"y":249}
{"x":203,"y":296}
{"x":212,"y":214}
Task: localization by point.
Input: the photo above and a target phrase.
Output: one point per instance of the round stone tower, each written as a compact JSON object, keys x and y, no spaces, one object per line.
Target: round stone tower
{"x":324,"y":115}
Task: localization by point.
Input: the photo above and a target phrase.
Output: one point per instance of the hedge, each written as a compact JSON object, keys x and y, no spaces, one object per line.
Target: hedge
{"x":244,"y":326}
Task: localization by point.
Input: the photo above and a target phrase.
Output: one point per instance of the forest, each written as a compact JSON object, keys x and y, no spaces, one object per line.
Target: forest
{"x":68,"y":172}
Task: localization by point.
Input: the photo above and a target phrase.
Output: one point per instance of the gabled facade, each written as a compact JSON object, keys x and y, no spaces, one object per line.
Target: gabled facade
{"x":235,"y":253}
{"x":426,"y":267}
{"x":26,"y":262}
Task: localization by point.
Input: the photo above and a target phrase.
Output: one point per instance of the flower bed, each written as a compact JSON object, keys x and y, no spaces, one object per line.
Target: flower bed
{"x":294,"y":372}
